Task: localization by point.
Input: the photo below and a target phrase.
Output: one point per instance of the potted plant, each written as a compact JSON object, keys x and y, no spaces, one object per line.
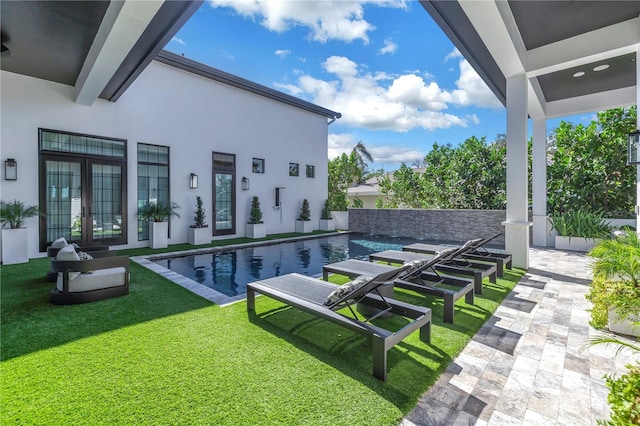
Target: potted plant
{"x":326,"y":220}
{"x":615,"y":290}
{"x":158,"y":214}
{"x":579,"y":230}
{"x":199,"y":232}
{"x":255,"y":227}
{"x":303,"y":223}
{"x":15,"y":247}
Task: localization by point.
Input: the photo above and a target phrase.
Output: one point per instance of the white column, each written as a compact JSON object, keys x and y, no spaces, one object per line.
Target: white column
{"x":517,"y":223}
{"x":539,"y":187}
{"x":638,"y":127}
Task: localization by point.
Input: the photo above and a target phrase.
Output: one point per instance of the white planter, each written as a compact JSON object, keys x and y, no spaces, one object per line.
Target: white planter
{"x":327,"y":225}
{"x":576,"y":243}
{"x":199,"y":236}
{"x":255,"y":230}
{"x":15,"y":247}
{"x":618,"y":326}
{"x":304,"y":226}
{"x":158,"y":232}
{"x":341,"y":220}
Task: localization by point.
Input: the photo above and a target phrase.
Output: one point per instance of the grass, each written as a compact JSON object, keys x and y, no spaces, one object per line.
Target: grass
{"x":162,"y":355}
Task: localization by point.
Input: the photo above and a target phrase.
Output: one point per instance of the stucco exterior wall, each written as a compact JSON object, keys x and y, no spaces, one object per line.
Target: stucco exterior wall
{"x":192,"y":115}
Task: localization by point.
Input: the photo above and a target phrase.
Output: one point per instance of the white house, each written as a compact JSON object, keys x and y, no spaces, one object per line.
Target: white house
{"x":90,"y":156}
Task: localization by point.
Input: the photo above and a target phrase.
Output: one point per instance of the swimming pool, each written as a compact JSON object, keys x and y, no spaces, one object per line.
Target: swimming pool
{"x":228,"y":272}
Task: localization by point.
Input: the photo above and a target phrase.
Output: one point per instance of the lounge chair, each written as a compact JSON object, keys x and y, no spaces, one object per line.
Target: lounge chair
{"x":326,"y":300}
{"x":424,"y":280}
{"x":476,"y":252}
{"x":452,"y":264}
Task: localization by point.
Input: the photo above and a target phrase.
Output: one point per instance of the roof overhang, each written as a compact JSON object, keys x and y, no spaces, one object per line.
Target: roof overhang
{"x":558,"y":45}
{"x":99,"y":47}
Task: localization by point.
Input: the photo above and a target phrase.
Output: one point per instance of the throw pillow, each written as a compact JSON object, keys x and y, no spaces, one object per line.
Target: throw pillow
{"x":445,"y":255}
{"x":85,"y":256}
{"x":345,"y":289}
{"x":68,"y":253}
{"x":59,"y":243}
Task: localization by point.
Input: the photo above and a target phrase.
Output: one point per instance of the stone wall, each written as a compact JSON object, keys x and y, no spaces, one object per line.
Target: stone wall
{"x":433,"y":225}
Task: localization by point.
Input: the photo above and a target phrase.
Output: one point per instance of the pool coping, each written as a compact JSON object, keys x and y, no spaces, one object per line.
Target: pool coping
{"x":202,"y":290}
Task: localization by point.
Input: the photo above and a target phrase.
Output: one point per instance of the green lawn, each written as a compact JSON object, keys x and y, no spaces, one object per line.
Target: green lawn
{"x":162,"y":355}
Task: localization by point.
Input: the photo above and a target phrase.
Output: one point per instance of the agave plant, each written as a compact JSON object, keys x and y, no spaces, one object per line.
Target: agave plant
{"x":13,"y":213}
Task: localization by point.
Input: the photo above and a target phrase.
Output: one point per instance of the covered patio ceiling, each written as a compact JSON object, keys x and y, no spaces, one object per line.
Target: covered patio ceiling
{"x":578,"y":56}
{"x":99,"y":47}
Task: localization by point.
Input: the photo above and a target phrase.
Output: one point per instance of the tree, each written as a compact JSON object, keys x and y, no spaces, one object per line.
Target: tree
{"x":588,"y":166}
{"x":346,"y":171}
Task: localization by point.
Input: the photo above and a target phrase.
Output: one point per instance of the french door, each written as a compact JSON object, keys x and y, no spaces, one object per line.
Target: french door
{"x":83,"y":200}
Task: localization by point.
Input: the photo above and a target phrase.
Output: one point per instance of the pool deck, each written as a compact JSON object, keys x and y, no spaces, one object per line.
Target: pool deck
{"x":527,"y":365}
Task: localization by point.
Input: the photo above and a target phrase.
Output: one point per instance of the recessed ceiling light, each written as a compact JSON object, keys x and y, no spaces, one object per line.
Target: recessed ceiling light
{"x":578,"y":74}
{"x":601,"y":67}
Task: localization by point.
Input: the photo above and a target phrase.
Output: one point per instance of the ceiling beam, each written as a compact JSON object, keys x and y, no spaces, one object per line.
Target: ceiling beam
{"x":594,"y":102}
{"x":122,"y":26}
{"x":597,"y":45}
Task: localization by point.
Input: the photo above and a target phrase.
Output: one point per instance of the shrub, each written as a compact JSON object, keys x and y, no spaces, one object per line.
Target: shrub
{"x":581,"y":223}
{"x":305,"y":213}
{"x":616,"y":279}
{"x":255,"y":215}
{"x":326,"y":211}
{"x":357,"y":202}
{"x":199,"y":216}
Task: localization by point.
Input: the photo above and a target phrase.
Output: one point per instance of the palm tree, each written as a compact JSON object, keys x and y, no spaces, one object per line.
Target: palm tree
{"x":358,"y":158}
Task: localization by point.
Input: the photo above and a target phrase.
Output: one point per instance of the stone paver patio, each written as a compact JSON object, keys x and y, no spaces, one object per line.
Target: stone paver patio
{"x":528,"y":365}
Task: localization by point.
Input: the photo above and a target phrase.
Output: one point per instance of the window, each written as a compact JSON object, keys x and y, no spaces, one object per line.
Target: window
{"x":311,"y":171}
{"x":257,"y":165}
{"x":153,"y":180}
{"x":294,"y":169}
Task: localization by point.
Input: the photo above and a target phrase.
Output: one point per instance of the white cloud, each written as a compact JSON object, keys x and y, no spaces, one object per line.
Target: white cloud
{"x":472,"y":90}
{"x":454,"y":54}
{"x":326,"y":20}
{"x":389,"y":48}
{"x":390,"y":153}
{"x":178,"y":40}
{"x":378,"y":101}
{"x":282,"y":53}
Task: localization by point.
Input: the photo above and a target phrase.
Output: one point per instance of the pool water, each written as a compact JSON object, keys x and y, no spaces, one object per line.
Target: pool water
{"x":229,"y":272}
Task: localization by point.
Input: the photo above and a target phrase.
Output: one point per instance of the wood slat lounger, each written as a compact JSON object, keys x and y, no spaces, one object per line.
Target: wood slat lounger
{"x":423,"y":282}
{"x":308,"y":294}
{"x":477,"y":270}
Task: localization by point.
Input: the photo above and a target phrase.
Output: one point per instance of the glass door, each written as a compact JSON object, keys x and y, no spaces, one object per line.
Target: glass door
{"x":106,"y":209}
{"x":84,"y":201}
{"x":65,"y":216}
{"x":224,"y":197}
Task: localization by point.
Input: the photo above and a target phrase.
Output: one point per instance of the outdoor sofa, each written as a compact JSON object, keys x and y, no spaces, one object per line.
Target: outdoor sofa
{"x":89,"y":280}
{"x":333,"y":303}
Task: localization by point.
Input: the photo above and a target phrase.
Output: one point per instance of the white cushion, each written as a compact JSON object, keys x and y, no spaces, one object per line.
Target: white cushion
{"x":68,"y":253}
{"x":59,"y":243}
{"x":102,"y":278}
{"x":345,"y":289}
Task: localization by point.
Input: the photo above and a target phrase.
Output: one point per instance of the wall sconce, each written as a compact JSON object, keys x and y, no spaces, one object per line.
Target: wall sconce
{"x":193,"y":181}
{"x":11,"y":169}
{"x":245,"y":184}
{"x":633,"y":149}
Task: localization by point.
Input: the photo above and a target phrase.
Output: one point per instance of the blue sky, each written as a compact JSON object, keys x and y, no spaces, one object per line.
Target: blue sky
{"x":386,"y":66}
